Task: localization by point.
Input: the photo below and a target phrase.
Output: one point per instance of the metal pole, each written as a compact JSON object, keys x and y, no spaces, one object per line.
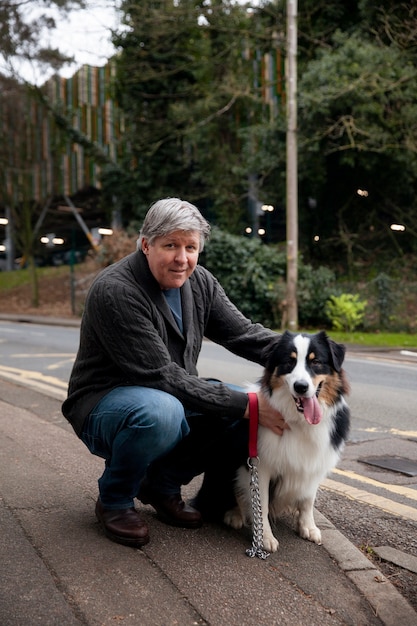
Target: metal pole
{"x":292,"y":167}
{"x":82,"y":224}
{"x":72,"y":276}
{"x":10,"y":249}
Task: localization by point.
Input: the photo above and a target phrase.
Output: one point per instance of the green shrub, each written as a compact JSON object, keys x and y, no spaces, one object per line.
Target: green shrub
{"x":249,"y":272}
{"x":254,"y":277}
{"x":315,"y":287}
{"x":385,"y":299}
{"x":345,"y":312}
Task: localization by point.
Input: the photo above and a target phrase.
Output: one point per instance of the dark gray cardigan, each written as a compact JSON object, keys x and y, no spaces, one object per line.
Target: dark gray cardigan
{"x":129,"y":337}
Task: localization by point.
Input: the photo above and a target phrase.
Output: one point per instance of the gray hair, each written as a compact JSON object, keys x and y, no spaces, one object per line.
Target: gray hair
{"x":170,"y":214}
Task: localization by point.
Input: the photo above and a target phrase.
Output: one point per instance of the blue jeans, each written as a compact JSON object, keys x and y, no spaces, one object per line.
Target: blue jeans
{"x":138,"y":430}
{"x":131,"y":427}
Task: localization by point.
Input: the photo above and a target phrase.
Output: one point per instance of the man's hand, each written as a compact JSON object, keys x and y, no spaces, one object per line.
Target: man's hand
{"x":269,"y":417}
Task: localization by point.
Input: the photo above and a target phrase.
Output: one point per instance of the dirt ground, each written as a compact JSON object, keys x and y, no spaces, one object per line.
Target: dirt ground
{"x":61,"y":291}
{"x":60,"y":295}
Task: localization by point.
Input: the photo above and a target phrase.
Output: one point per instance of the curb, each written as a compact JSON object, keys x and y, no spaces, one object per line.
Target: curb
{"x":28,"y":318}
{"x":389,"y":605}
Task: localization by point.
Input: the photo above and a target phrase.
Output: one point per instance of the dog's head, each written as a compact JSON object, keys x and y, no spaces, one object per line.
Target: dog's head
{"x":309,"y":367}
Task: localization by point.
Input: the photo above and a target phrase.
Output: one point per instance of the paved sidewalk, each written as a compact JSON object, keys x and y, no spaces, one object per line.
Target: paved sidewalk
{"x":57,"y":567}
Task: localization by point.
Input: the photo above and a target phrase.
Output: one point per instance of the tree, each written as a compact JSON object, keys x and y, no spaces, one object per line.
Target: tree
{"x":356,"y":109}
{"x":19,"y":157}
{"x":155,"y":72}
{"x":21,"y":40}
{"x":22,"y":26}
{"x":189,"y":81}
{"x":357,"y":106}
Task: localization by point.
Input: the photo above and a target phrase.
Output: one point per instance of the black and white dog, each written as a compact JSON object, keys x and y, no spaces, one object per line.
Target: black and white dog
{"x":304,"y":380}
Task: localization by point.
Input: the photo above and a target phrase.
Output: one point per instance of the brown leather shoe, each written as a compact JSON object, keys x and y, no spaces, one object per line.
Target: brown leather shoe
{"x":124,"y":526}
{"x":170,"y":509}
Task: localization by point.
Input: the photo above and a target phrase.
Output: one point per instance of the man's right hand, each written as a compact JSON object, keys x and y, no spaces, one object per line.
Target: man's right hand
{"x":268,"y":416}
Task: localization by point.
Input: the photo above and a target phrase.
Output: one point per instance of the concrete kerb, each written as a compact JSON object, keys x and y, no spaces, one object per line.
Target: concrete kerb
{"x":389,"y":605}
{"x":24,"y":318}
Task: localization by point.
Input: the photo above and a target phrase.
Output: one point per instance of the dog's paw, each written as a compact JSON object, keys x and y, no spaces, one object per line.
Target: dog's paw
{"x":233,"y":518}
{"x":311,"y":534}
{"x":270,"y":543}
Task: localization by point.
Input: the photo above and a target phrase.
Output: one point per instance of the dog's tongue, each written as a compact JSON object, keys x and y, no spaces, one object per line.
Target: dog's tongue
{"x":312,"y":410}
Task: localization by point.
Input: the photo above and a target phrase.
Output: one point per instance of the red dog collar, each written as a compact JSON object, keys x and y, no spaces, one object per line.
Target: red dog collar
{"x":253,"y":425}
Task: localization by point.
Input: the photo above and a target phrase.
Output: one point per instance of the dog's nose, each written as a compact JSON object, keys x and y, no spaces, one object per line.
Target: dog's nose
{"x":301,"y":386}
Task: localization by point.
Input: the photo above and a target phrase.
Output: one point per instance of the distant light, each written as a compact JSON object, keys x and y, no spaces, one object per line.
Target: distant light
{"x":52,"y":240}
{"x":261,"y":231}
{"x":4,"y":221}
{"x":105,"y":231}
{"x":316,"y":238}
{"x":398,"y":227}
{"x":267,"y":207}
{"x":2,"y":247}
{"x":248,"y":230}
{"x":362,"y":192}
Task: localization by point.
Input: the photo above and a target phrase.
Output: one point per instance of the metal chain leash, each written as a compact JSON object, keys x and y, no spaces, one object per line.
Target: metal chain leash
{"x":257,"y":528}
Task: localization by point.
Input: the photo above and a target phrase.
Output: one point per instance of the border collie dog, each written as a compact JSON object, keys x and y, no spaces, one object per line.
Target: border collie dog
{"x":304,"y":380}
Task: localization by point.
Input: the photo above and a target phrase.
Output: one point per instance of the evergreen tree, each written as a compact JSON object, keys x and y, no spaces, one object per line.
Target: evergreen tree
{"x":189,"y":82}
{"x":358,"y":139}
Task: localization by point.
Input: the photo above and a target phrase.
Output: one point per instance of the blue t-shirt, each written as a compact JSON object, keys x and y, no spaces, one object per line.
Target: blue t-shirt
{"x":173,"y":297}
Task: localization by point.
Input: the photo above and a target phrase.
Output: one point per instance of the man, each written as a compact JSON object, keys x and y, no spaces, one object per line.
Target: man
{"x":135,"y":397}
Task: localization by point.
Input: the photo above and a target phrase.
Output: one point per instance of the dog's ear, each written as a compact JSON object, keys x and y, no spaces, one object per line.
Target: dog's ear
{"x":269,"y":355}
{"x":337,"y":351}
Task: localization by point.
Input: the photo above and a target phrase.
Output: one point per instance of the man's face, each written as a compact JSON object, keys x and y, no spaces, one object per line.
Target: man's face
{"x":172,"y":258}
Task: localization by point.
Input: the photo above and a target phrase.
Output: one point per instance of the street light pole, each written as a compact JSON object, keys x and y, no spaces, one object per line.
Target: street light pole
{"x":292,"y":167}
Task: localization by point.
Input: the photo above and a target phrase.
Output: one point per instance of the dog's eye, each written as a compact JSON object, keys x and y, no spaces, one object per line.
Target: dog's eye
{"x":290,"y":362}
{"x":315,"y":361}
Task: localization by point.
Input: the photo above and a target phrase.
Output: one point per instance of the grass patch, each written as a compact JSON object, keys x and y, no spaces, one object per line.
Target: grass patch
{"x":19,"y":278}
{"x":376,"y":340}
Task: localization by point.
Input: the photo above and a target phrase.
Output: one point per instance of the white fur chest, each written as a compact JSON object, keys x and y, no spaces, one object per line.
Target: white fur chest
{"x":302,"y":454}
